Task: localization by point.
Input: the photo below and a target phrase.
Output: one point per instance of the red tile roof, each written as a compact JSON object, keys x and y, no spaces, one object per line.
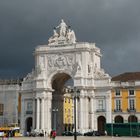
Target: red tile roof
{"x":128,"y":76}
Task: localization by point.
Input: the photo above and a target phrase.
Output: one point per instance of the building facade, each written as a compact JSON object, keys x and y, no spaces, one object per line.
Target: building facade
{"x":10,"y":102}
{"x":126,"y":98}
{"x":68,"y":111}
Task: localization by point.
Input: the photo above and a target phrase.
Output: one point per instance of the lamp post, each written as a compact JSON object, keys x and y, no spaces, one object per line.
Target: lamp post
{"x":54,"y":120}
{"x":112,"y":127}
{"x":75,"y":91}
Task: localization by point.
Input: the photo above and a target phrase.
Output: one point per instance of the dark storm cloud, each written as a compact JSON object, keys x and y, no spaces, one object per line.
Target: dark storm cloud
{"x":113,"y":25}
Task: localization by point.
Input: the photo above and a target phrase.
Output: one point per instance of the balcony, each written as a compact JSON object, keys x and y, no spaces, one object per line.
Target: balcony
{"x":29,"y":112}
{"x":100,"y":110}
{"x":131,"y":110}
{"x":117,"y":110}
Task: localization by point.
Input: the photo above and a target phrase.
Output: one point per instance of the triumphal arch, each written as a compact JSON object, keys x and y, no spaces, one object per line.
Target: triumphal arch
{"x":64,"y":58}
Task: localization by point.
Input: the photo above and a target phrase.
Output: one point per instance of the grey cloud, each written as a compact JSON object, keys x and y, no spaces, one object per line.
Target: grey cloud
{"x":113,"y":25}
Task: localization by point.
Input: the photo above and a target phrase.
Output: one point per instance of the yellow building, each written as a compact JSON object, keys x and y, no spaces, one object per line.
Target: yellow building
{"x":126,"y":98}
{"x":68,"y":111}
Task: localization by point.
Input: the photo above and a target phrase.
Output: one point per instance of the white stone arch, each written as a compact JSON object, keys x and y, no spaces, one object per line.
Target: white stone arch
{"x":79,"y":60}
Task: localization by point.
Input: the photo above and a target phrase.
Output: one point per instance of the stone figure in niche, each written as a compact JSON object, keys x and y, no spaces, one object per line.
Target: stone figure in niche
{"x":63,"y":28}
{"x":42,"y":62}
{"x":38,"y":70}
{"x":89,"y":68}
{"x":54,"y":38}
{"x":78,"y":66}
{"x":69,"y":60}
{"x":95,"y":68}
{"x":50,"y":61}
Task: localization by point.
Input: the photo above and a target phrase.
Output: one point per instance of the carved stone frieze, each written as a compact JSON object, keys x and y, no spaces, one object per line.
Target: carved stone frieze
{"x":62,"y":62}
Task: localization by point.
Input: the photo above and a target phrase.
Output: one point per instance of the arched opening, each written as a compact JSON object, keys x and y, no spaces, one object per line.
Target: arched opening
{"x":132,"y":118}
{"x":58,"y":82}
{"x":29,"y":124}
{"x":101,"y":124}
{"x":118,"y":119}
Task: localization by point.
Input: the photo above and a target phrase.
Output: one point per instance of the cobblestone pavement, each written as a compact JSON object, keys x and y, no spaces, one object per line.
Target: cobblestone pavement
{"x":78,"y":138}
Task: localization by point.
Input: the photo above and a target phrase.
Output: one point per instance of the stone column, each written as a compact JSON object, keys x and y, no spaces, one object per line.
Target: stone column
{"x":42,"y":113}
{"x":38,"y":114}
{"x":22,"y":117}
{"x":91,"y":113}
{"x":86,"y":113}
{"x":108,"y":108}
{"x":95,"y":116}
{"x":81,"y":113}
{"x":34,"y":113}
{"x":49,"y":111}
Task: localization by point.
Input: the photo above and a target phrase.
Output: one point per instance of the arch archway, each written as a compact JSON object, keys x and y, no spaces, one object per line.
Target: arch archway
{"x":132,"y":118}
{"x":119,"y":119}
{"x":101,"y":124}
{"x":29,"y":124}
{"x":58,"y":82}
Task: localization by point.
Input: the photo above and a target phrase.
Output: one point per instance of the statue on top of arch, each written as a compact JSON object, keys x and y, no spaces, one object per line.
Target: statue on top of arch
{"x":62,"y":34}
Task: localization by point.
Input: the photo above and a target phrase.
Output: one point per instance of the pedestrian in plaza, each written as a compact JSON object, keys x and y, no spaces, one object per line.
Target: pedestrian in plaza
{"x":53,"y":134}
{"x":45,"y":133}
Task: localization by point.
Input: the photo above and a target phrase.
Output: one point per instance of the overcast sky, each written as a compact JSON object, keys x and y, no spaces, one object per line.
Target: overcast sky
{"x":114,"y":25}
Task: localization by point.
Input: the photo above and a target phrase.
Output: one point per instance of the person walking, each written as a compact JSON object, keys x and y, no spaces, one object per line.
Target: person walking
{"x":53,"y":134}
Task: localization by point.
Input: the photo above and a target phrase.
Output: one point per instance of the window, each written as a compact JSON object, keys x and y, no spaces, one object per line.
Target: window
{"x":29,"y":106}
{"x":1,"y":109}
{"x":131,"y":104}
{"x":117,"y":92}
{"x":69,"y":112}
{"x":100,"y":105}
{"x":68,"y":120}
{"x":69,"y":100}
{"x":29,"y":109}
{"x":131,"y":92}
{"x":118,"y":104}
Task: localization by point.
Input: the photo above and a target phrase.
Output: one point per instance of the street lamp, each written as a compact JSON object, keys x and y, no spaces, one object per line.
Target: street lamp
{"x":75,"y":91}
{"x":54,"y":121}
{"x":112,"y":127}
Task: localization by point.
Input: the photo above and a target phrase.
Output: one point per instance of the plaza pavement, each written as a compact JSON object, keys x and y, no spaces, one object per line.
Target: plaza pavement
{"x":78,"y":138}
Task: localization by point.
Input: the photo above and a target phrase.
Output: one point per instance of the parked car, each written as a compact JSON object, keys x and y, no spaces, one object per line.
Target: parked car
{"x":90,"y":133}
{"x":78,"y":134}
{"x":93,"y":133}
{"x":97,"y":133}
{"x":36,"y":133}
{"x":67,"y":133}
{"x":102,"y":133}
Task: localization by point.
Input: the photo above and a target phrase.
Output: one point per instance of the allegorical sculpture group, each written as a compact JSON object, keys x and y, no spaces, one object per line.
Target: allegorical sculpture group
{"x":62,"y":34}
